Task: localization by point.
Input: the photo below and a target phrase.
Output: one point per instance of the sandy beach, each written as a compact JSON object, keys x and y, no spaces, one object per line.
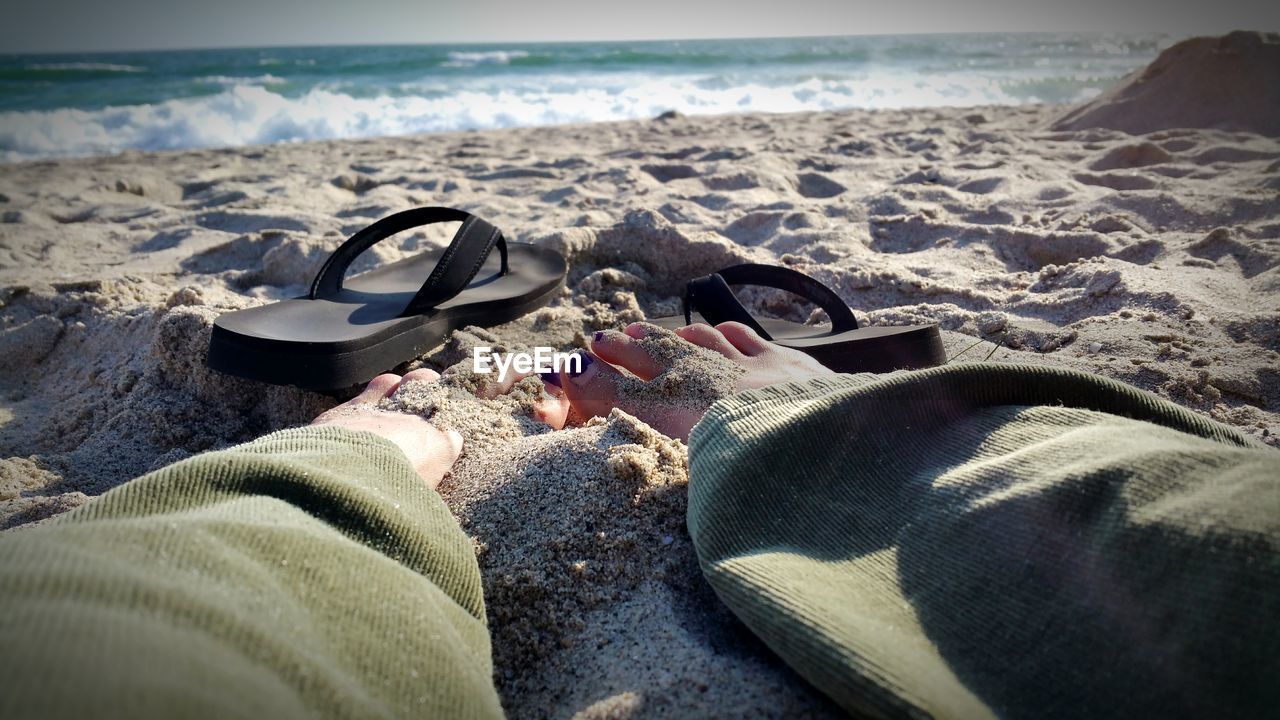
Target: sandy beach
{"x":1029,"y":237}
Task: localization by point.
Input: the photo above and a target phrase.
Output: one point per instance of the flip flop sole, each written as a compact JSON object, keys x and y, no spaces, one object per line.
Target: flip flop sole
{"x":351,"y":338}
{"x":876,"y":349}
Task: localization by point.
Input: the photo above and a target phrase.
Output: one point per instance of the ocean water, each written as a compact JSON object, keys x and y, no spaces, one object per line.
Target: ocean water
{"x":89,"y":104}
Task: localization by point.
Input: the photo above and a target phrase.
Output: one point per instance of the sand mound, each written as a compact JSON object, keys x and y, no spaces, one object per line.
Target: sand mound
{"x":1226,"y":83}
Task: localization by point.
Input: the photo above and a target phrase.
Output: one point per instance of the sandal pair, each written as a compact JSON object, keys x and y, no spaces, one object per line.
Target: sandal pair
{"x":344,"y":332}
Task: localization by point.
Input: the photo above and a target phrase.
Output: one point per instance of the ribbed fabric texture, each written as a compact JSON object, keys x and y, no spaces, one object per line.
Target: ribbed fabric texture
{"x":310,"y":573}
{"x":996,"y":541}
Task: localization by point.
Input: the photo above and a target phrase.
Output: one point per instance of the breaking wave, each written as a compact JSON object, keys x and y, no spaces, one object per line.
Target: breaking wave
{"x":89,"y":105}
{"x":250,"y":114}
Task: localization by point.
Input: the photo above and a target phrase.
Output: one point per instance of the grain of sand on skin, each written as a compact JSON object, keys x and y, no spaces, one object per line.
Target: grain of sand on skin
{"x":1151,"y":258}
{"x":693,"y":378}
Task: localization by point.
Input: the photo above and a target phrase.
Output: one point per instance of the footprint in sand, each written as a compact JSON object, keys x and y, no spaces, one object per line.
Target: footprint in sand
{"x":1221,"y":242}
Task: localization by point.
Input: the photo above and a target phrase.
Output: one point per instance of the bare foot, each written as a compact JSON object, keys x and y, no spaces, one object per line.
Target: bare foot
{"x":431,"y":451}
{"x":753,"y":362}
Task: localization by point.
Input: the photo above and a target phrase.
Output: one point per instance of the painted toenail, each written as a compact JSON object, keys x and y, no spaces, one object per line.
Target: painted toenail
{"x":573,"y":372}
{"x":583,"y":373}
{"x":598,"y":336}
{"x":551,"y":378}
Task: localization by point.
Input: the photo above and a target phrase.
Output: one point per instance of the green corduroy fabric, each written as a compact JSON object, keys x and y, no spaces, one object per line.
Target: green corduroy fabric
{"x":310,"y":573}
{"x":996,"y":541}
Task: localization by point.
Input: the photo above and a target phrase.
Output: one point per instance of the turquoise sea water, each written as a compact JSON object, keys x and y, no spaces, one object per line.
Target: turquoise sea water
{"x":65,"y":105}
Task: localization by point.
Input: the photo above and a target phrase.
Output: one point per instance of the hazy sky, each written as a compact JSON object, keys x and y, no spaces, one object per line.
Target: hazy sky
{"x":75,"y":25}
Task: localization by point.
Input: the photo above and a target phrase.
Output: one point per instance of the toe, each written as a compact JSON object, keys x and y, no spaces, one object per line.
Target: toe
{"x":598,"y":388}
{"x":438,"y":456}
{"x":420,"y":375}
{"x":593,"y":388}
{"x":500,"y":382}
{"x":378,"y":388}
{"x":710,"y":338}
{"x":640,"y":330}
{"x":747,"y":341}
{"x":454,"y":439}
{"x":553,"y":408}
{"x":623,"y":350}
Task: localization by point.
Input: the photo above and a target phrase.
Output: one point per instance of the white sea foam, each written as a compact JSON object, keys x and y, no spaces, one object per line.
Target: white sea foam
{"x":250,"y":114}
{"x":298,"y":62}
{"x":489,"y":57}
{"x":231,"y":80}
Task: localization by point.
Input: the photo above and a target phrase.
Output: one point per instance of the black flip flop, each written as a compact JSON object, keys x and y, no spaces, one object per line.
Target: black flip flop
{"x":345,"y":333}
{"x":842,"y":346}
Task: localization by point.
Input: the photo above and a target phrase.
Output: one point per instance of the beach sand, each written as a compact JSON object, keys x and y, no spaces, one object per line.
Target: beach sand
{"x":1029,"y":237}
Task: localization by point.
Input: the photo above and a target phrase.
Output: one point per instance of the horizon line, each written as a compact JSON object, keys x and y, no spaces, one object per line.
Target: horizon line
{"x":303,"y":46}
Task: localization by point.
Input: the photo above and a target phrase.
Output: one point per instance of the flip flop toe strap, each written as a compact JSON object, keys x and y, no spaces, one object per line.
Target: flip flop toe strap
{"x":455,"y":270}
{"x":712,"y":297}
